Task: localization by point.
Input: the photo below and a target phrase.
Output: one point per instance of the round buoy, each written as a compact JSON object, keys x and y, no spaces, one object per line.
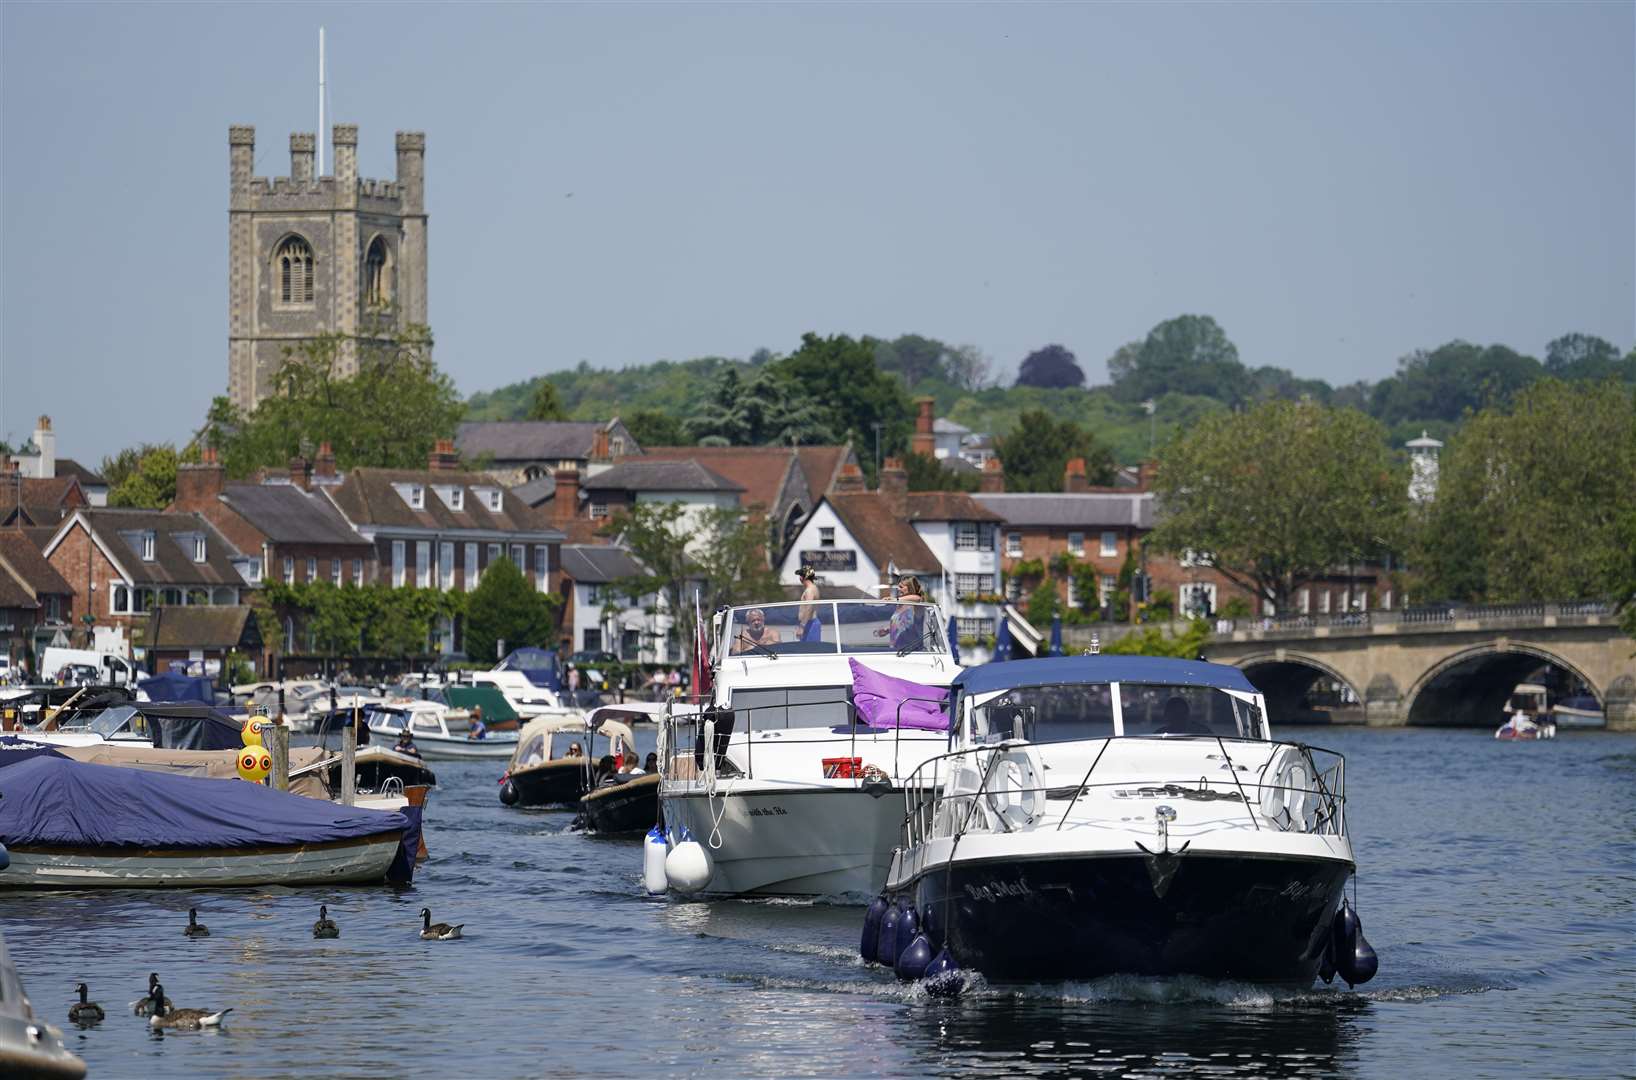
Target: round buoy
{"x":869,"y":946}
{"x":886,"y":951}
{"x":1326,"y":966}
{"x":1343,"y":939}
{"x":908,"y":930}
{"x":942,"y":975}
{"x":254,"y":763}
{"x":687,"y":867}
{"x":929,"y":926}
{"x":1363,"y":965}
{"x":914,"y":960}
{"x":653,"y":862}
{"x":508,"y":794}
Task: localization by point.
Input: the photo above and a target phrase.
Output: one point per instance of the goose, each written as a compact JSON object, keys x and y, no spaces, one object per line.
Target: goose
{"x":432,"y":931}
{"x":143,"y":1006}
{"x":83,"y":1011}
{"x":195,"y":928}
{"x":325,"y":926}
{"x":181,"y":1019}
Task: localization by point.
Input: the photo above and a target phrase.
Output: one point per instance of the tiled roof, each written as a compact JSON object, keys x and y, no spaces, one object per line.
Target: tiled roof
{"x":86,"y":477}
{"x":198,"y":626}
{"x":1087,"y":509}
{"x":537,"y":491}
{"x":121,"y":533}
{"x":368,"y":498}
{"x":598,"y":563}
{"x":820,"y":465}
{"x":762,"y":472}
{"x":22,"y":554}
{"x":884,"y":537}
{"x":44,"y":501}
{"x":947,"y":506}
{"x":637,"y":474}
{"x":528,"y":440}
{"x":14,"y":592}
{"x":286,"y":514}
{"x":942,"y":426}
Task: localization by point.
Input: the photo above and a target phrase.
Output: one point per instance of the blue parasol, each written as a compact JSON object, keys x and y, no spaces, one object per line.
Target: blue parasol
{"x":1002,"y":640}
{"x":1056,"y":634}
{"x":954,"y":639}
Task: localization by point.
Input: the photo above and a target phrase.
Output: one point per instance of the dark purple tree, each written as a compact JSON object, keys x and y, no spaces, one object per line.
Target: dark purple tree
{"x":1052,"y":367}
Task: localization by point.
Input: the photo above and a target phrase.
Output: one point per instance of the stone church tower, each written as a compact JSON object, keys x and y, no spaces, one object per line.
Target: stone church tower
{"x":314,"y":254}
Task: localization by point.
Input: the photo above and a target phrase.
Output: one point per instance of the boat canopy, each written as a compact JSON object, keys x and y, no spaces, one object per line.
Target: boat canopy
{"x":539,"y":665}
{"x":534,"y":741}
{"x":168,"y":725}
{"x":496,"y":709}
{"x":55,"y":802}
{"x":1056,"y":670}
{"x":173,"y":687}
{"x":830,"y":627}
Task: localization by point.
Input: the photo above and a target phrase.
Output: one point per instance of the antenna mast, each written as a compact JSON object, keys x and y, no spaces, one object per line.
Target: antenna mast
{"x":321,"y":136}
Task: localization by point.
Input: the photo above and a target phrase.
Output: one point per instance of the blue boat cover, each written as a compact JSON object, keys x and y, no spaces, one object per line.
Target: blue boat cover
{"x":174,"y":687}
{"x":1052,"y":670}
{"x":14,"y":751}
{"x":59,"y":802}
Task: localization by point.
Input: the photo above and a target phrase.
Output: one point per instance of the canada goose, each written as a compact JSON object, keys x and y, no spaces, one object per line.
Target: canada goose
{"x":143,"y":1006}
{"x":195,"y":928}
{"x":442,"y":931}
{"x":83,"y":1011}
{"x":325,"y":926}
{"x":181,"y":1019}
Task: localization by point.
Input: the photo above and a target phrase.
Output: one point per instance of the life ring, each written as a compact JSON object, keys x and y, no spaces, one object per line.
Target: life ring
{"x":1016,"y":793}
{"x":1287,"y":794}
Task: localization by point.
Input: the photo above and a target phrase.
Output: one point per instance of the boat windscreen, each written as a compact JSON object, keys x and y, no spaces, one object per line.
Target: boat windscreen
{"x":866,"y":626}
{"x":799,"y":707}
{"x":1046,"y":714}
{"x":1152,"y":709}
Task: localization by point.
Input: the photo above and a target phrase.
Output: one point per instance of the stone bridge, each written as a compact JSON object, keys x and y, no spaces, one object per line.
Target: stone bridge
{"x":1447,"y":666}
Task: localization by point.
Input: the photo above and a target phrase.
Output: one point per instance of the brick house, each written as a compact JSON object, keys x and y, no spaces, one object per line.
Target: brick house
{"x":35,"y":601}
{"x":200,"y":638}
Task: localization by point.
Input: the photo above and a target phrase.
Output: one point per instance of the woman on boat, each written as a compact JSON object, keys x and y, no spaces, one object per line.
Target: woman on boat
{"x":903,"y":629}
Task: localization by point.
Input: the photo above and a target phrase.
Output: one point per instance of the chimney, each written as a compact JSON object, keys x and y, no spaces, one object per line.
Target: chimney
{"x":301,"y":473}
{"x":925,"y":442}
{"x":1145,"y":473}
{"x":565,"y":503}
{"x":850,"y":480}
{"x":443,"y":458}
{"x":599,"y":445}
{"x":992,"y":482}
{"x":1073,"y":478}
{"x":302,"y":144}
{"x":324,"y":464}
{"x":894,"y":486}
{"x":45,"y":440}
{"x":412,"y":169}
{"x":241,"y":156}
{"x":198,"y":485}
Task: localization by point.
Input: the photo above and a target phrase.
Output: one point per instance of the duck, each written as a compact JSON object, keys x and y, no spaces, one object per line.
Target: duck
{"x":143,"y":1006}
{"x":180,"y":1019}
{"x":195,"y":928}
{"x":441,"y":931}
{"x":325,"y":926}
{"x":83,"y":1011}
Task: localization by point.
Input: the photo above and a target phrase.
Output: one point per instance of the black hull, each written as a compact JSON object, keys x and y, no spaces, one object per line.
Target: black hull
{"x":622,"y":808}
{"x":1262,"y":920}
{"x":549,"y":785}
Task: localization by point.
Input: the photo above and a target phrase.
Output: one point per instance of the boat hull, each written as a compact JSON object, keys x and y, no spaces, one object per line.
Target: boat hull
{"x":438,"y":748}
{"x":630,"y":807}
{"x":363,"y":860}
{"x":792,"y":840}
{"x":1240,"y":916}
{"x":554,"y":783}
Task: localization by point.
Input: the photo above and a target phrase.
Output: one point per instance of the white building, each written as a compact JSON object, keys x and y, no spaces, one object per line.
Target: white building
{"x":1423,"y":453}
{"x":697,"y":488}
{"x":602,"y":617}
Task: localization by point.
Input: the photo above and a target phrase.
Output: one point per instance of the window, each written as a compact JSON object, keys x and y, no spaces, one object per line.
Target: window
{"x":494,"y":555}
{"x":630,"y":644}
{"x":224,"y":596}
{"x":397,"y":564}
{"x":335,"y":572}
{"x":423,"y":564}
{"x":358,"y":572}
{"x":144,"y":601}
{"x":599,"y":509}
{"x":1323,"y":602}
{"x":988,"y":535}
{"x":1110,"y":544}
{"x":1013,"y":544}
{"x":1073,"y":591}
{"x":119,"y":600}
{"x":969,"y":585}
{"x":616,"y":445}
{"x":293,"y":270}
{"x":198,"y":549}
{"x":1306,"y":601}
{"x":417,"y":497}
{"x":147,"y":547}
{"x":312,"y":568}
{"x":1386,"y":600}
{"x":289,"y":570}
{"x":1013,"y":588}
{"x":471,"y":567}
{"x":377,"y":283}
{"x":1109,"y":586}
{"x":1360,"y":600}
{"x":591,"y":639}
{"x":965,"y":536}
{"x":1076,"y":543}
{"x":826,"y":536}
{"x":542,"y":566}
{"x":973,"y":629}
{"x":198,"y":596}
{"x":171,"y":596}
{"x":252,"y":570}
{"x":445,"y":565}
{"x":496,"y":499}
{"x":517,"y":556}
{"x":453,"y":497}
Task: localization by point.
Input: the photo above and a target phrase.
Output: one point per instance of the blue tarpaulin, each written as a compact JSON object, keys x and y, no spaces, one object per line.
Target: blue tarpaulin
{"x":174,"y":687}
{"x":14,"y":751}
{"x":50,"y":801}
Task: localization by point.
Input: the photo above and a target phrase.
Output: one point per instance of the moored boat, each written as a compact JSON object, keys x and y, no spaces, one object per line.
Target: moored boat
{"x":544,"y":769}
{"x":440,"y":732}
{"x":620,"y":802}
{"x":30,"y":1047}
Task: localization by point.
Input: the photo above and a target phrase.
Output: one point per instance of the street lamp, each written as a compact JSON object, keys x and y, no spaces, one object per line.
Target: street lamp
{"x":1152,"y":407}
{"x":877,"y":425}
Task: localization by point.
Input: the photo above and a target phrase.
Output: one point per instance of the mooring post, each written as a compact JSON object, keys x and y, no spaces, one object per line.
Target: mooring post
{"x":277,"y":738}
{"x":349,"y":762}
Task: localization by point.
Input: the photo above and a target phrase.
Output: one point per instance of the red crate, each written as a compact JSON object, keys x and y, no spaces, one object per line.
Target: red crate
{"x":843,"y":768}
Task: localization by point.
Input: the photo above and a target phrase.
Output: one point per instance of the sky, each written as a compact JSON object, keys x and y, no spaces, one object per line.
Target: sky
{"x":1336,"y":184}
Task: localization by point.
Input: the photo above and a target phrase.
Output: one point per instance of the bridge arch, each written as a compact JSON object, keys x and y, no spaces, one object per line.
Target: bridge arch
{"x":1287,"y":678}
{"x":1470,"y":688}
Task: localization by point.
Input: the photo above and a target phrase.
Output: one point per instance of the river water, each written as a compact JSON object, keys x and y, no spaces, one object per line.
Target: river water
{"x":1497,"y":881}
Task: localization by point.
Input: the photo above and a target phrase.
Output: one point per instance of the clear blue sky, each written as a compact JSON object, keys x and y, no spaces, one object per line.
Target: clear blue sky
{"x":1336,"y":184}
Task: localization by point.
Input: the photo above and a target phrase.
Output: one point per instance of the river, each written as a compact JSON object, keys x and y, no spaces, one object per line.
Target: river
{"x":1497,"y":881}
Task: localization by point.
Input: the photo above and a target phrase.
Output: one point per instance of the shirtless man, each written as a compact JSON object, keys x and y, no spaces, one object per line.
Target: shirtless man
{"x":806,"y":618}
{"x":755,"y":632}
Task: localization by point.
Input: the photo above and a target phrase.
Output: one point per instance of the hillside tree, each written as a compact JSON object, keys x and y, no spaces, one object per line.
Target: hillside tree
{"x":1037,"y":451}
{"x":1052,"y":368}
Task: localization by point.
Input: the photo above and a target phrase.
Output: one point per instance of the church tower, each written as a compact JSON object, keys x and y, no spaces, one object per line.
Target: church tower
{"x":309,"y":255}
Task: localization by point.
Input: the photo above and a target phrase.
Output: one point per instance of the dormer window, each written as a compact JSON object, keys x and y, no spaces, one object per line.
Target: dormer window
{"x":147,"y":546}
{"x":493,"y":498}
{"x":198,"y":549}
{"x":413,"y":494}
{"x":453,"y":497}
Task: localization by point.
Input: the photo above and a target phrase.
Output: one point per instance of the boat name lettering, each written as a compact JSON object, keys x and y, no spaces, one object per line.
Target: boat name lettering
{"x":996,"y":890}
{"x":768,"y":811}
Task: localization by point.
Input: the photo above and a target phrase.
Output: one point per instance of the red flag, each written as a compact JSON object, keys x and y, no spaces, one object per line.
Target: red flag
{"x":701,"y":657}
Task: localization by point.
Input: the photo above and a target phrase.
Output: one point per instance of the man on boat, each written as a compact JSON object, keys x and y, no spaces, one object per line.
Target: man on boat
{"x":477,"y":730}
{"x":806,"y":619}
{"x":406,"y":744}
{"x":756,"y":633}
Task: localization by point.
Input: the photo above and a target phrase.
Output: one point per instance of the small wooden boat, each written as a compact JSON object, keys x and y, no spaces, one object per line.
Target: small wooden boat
{"x":543,"y":771}
{"x":622,"y":806}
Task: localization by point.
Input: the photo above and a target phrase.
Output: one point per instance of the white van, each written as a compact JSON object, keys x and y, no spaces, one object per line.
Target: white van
{"x":87,"y":666}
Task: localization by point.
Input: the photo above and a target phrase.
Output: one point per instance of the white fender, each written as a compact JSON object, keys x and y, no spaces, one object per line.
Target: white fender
{"x":654,"y":878}
{"x":687,"y":867}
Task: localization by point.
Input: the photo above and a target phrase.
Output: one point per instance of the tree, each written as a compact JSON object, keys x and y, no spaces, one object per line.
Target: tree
{"x":505,"y":607}
{"x":656,"y":535}
{"x":1154,"y":641}
{"x":388,"y":414}
{"x":144,"y":476}
{"x":1051,"y":367}
{"x":546,"y":404}
{"x":1277,"y":495}
{"x":1584,"y":356}
{"x":928,"y":474}
{"x":650,"y":427}
{"x":912,"y":358}
{"x":1536,"y":502}
{"x":1042,"y":605}
{"x":1189,"y":354}
{"x":762,"y":409}
{"x":1449,"y":380}
{"x":838,"y":375}
{"x":1037,"y":451}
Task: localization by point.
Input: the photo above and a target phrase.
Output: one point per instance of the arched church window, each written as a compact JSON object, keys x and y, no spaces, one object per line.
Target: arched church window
{"x":377,"y":275}
{"x":293,"y":263}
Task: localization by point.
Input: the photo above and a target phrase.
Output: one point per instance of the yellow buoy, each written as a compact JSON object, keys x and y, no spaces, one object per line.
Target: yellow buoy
{"x":253,"y":728}
{"x":254,"y":763}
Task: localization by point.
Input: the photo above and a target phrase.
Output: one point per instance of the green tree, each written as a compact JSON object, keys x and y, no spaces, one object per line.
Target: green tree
{"x":1535,"y":502}
{"x":1189,"y":354}
{"x":388,"y":414}
{"x":1444,"y":383}
{"x":1037,"y":451}
{"x":1154,"y":641}
{"x":838,"y":374}
{"x":1275,"y":496}
{"x":546,"y":403}
{"x":650,"y":427}
{"x":1043,"y":603}
{"x":505,"y":607}
{"x":763,"y":408}
{"x":928,"y":474}
{"x":144,"y":476}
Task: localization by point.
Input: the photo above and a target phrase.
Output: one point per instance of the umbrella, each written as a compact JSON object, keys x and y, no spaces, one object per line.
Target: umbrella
{"x":1002,"y":641}
{"x":1056,"y":635}
{"x":954,"y":638}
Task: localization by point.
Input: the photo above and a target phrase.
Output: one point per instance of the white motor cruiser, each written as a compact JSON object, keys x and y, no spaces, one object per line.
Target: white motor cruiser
{"x":786,"y":784}
{"x":1103,"y":815}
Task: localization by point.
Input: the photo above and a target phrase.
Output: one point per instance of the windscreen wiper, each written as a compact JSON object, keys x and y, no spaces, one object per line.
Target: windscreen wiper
{"x":758,"y":646}
{"x":917,"y":643}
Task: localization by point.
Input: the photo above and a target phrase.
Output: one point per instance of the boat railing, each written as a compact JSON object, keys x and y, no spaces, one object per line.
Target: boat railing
{"x":1297,"y":788}
{"x":686,"y":750}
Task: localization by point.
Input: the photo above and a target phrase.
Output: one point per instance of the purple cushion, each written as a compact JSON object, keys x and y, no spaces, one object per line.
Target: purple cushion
{"x":878,"y":697}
